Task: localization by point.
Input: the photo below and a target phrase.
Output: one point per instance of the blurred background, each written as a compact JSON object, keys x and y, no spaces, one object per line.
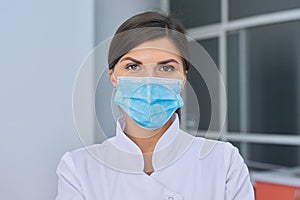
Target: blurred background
{"x":255,"y":44}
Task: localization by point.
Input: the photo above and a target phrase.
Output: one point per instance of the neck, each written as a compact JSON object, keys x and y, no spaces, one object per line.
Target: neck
{"x":145,"y":139}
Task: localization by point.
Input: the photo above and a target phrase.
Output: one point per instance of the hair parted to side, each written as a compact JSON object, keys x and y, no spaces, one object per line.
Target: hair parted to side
{"x":145,"y":27}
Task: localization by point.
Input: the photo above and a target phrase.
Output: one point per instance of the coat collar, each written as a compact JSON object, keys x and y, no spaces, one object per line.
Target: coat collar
{"x":125,"y":143}
{"x":122,"y":154}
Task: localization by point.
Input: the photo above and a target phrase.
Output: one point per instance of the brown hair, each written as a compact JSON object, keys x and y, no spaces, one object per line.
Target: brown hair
{"x":145,"y":27}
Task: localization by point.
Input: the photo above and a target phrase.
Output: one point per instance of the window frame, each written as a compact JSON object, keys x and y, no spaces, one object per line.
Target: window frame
{"x":219,"y":31}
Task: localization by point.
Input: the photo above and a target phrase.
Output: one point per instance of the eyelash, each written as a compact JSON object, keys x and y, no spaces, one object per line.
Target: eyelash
{"x":129,"y":66}
{"x":161,"y":68}
{"x":169,"y":68}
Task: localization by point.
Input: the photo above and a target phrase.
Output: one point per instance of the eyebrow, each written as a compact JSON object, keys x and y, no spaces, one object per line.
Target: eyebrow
{"x":133,"y":60}
{"x":167,"y":61}
{"x":139,"y":62}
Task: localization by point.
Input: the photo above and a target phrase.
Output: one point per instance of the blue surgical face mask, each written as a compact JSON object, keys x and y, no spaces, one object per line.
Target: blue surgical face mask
{"x":148,"y":101}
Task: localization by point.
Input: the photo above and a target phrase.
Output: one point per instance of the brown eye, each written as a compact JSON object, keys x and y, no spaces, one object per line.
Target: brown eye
{"x":167,"y":68}
{"x":132,"y":67}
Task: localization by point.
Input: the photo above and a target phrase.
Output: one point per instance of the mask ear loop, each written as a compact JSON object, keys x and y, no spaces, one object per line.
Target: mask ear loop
{"x":113,"y":73}
{"x":183,"y":84}
{"x":116,"y":110}
{"x":115,"y":78}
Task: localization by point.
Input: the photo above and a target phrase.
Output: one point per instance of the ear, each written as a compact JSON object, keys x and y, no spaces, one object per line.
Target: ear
{"x":113,"y":78}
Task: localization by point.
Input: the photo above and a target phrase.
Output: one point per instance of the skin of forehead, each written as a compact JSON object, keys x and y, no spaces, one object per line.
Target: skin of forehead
{"x":161,"y":47}
{"x":150,"y":53}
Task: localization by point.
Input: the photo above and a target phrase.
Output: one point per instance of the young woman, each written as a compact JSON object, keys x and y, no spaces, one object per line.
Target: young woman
{"x":150,"y":157}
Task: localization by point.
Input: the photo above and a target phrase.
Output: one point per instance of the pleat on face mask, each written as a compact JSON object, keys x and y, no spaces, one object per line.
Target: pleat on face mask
{"x":148,"y":101}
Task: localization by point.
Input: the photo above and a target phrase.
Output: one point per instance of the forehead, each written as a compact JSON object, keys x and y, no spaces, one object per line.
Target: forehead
{"x":158,"y":49}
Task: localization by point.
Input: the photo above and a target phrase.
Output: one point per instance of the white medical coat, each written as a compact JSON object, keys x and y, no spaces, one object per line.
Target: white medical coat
{"x":218,"y":174}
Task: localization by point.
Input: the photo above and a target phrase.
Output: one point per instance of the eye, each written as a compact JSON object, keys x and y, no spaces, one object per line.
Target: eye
{"x":167,"y":68}
{"x":132,"y":67}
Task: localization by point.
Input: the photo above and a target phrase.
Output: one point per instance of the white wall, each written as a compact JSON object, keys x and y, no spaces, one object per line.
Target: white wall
{"x":42,"y":44}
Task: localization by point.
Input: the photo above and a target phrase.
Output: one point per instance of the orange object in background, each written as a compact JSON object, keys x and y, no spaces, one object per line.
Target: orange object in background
{"x":279,"y":184}
{"x":271,"y":191}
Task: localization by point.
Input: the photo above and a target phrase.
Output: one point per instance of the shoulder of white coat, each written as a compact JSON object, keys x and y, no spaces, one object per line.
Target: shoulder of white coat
{"x":232,"y":157}
{"x":221,"y":151}
{"x":83,"y":154}
{"x":65,"y":162}
{"x":209,"y":147}
{"x":218,"y":150}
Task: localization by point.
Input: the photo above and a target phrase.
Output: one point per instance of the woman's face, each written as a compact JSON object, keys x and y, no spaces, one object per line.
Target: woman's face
{"x":156,"y":58}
